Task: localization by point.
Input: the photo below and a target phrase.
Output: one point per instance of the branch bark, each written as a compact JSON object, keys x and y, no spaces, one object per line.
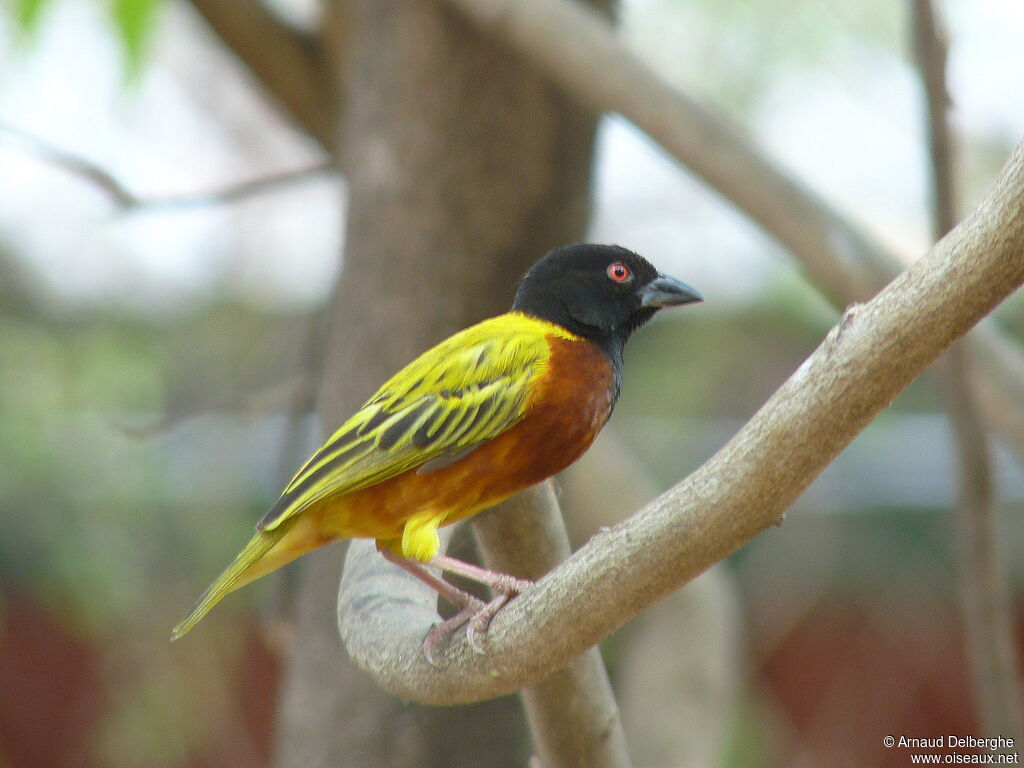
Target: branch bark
{"x":571,"y":43}
{"x":573,"y":717}
{"x":866,"y":360}
{"x":678,"y":667}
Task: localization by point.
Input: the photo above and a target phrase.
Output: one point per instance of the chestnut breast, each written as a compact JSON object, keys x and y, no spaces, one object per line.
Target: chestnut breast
{"x":572,"y":401}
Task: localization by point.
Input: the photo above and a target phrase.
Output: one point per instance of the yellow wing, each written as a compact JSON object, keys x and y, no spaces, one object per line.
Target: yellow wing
{"x":465,"y":391}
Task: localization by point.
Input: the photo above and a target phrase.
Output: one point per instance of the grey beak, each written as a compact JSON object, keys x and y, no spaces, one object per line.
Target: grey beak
{"x":665,"y":291}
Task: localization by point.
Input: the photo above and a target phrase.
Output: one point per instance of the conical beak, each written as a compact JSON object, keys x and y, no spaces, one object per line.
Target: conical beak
{"x":665,"y":291}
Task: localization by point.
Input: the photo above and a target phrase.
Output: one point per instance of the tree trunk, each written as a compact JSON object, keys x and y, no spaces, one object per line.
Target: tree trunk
{"x":464,"y":166}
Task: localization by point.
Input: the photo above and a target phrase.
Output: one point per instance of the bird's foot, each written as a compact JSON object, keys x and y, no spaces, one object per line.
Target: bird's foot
{"x":504,"y":587}
{"x":481,"y":620}
{"x":438,"y":634}
{"x":473,"y":613}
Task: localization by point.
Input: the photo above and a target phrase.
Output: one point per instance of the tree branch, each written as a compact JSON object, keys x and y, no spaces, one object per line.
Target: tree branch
{"x":985,"y":600}
{"x":678,"y":666}
{"x":239,"y":191}
{"x":571,"y":43}
{"x":573,"y":716}
{"x":290,"y":66}
{"x":866,"y":360}
{"x":128,"y":201}
{"x":930,"y":48}
{"x":87,"y":170}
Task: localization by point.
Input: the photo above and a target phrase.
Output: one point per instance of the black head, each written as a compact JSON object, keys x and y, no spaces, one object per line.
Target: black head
{"x":600,"y":292}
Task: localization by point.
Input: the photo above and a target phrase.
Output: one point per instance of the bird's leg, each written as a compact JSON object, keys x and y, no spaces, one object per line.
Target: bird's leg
{"x":457,"y":597}
{"x":471,"y":609}
{"x":503,"y":585}
{"x":468,"y":605}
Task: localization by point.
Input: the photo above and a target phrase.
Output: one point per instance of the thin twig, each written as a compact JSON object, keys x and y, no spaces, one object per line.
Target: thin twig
{"x":79,"y":166}
{"x":240,"y":191}
{"x":270,"y":399}
{"x":930,"y":49}
{"x":984,"y":595}
{"x":128,"y":201}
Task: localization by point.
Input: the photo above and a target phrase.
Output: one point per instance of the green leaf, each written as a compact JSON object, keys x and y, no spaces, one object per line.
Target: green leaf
{"x":134,"y":22}
{"x":28,"y":13}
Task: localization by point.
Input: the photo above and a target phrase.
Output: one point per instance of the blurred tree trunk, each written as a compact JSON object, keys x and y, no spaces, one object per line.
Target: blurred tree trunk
{"x":464,"y":166}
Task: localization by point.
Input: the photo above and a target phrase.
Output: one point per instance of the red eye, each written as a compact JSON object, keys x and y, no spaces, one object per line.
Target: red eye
{"x":619,"y":272}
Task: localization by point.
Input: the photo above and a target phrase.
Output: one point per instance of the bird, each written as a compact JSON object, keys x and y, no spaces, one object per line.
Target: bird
{"x":488,"y":412}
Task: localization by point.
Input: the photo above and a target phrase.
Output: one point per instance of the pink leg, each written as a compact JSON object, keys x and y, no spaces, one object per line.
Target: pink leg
{"x":449,"y":592}
{"x":499,"y":582}
{"x":471,"y":610}
{"x":468,"y":605}
{"x":504,"y":587}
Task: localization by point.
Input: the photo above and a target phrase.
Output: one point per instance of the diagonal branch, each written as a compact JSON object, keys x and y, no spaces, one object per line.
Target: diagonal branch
{"x":866,"y":360}
{"x":127,"y":200}
{"x":291,"y":66}
{"x":571,"y":43}
{"x":91,"y":172}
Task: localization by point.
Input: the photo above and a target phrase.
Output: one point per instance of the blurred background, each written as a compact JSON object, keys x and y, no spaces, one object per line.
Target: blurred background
{"x":154,"y":389}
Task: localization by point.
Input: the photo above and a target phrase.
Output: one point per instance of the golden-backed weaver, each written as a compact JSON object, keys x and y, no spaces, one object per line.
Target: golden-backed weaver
{"x":484,"y":414}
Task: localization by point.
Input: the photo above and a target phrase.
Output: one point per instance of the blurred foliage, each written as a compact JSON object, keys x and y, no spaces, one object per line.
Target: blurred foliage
{"x":109,"y":421}
{"x":132,"y":469}
{"x":28,"y":13}
{"x":132,"y":20}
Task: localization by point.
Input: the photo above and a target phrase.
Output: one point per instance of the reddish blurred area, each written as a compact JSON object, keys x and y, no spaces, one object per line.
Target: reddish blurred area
{"x":53,"y":696}
{"x":843,"y":676}
{"x":848,"y":674}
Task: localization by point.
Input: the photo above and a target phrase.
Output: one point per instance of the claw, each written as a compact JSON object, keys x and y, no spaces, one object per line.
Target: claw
{"x":481,"y":620}
{"x":439,"y":633}
{"x":477,"y":617}
{"x":473,"y":640}
{"x":473,"y":613}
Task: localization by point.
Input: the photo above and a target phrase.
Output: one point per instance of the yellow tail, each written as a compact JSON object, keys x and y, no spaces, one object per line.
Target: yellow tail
{"x":266,"y":551}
